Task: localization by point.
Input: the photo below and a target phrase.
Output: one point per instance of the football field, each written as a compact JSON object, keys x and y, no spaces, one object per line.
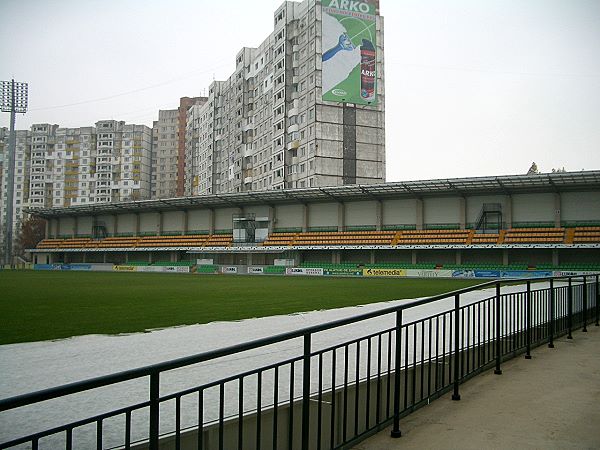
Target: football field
{"x":42,"y":305}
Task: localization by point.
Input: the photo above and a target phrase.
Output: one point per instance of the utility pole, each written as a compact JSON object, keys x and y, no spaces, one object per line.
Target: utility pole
{"x":13,"y":97}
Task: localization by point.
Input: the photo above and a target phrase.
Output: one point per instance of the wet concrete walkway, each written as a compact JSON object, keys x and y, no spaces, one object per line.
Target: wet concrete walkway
{"x":549,"y":402}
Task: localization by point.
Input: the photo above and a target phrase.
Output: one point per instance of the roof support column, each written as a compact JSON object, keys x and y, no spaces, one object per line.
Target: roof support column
{"x":75,"y":226}
{"x":57,"y":230}
{"x":413,"y":256}
{"x":505,"y":257}
{"x":272,"y":218}
{"x":336,"y":257}
{"x":341,"y":216}
{"x":555,"y":258}
{"x":508,"y":214}
{"x":211,"y":221}
{"x":458,"y":257}
{"x":378,"y":215}
{"x":115,"y":224}
{"x":305,"y":217}
{"x":462,"y":213}
{"x":184,"y":222}
{"x":47,"y":229}
{"x":557,"y":210}
{"x":159,"y":226}
{"x":136,"y":230}
{"x":419,"y":210}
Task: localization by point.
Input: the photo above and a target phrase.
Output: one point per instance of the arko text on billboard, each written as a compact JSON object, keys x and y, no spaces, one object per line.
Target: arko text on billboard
{"x":349,"y":51}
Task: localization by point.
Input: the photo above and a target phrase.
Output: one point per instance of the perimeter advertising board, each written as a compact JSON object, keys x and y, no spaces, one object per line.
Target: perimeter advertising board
{"x":343,"y":272}
{"x":304,"y":271}
{"x":384,"y":273}
{"x":349,"y":51}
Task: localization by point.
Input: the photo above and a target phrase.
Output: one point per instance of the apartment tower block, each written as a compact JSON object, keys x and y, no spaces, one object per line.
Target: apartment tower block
{"x":305,"y":108}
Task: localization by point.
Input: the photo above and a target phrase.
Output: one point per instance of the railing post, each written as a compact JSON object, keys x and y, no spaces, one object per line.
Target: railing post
{"x":498,"y":371}
{"x":551,"y":312}
{"x":154,"y":409}
{"x":528,"y":320}
{"x":585,"y":299}
{"x":306,"y":391}
{"x":570,"y":309}
{"x":455,"y":394}
{"x":396,"y":433}
{"x":597,"y":301}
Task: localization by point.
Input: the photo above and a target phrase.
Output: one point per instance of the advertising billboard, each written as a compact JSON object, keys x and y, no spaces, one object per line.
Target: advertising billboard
{"x":349,"y":51}
{"x":384,"y":272}
{"x":304,"y":271}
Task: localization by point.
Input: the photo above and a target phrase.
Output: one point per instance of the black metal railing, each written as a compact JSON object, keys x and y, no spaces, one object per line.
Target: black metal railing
{"x":325,"y":386}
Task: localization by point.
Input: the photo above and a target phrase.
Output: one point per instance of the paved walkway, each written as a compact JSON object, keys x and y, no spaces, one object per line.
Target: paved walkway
{"x":549,"y":402}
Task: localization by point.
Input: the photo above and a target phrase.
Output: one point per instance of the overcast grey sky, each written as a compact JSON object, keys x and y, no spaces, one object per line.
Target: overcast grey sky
{"x":473,"y":87}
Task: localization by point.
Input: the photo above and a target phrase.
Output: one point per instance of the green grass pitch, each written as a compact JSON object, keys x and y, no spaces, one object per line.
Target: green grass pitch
{"x":40,"y":305}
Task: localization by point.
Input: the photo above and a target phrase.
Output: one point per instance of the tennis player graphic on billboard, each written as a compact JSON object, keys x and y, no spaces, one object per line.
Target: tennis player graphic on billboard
{"x":349,"y":51}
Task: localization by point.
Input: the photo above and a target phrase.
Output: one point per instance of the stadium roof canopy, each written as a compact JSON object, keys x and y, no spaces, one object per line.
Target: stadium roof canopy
{"x":507,"y":184}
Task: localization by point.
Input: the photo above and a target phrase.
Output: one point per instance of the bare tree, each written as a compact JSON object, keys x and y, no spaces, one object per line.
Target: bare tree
{"x":31,"y":232}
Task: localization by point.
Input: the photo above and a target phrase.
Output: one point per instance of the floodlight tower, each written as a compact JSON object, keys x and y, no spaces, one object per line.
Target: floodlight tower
{"x":13,"y":97}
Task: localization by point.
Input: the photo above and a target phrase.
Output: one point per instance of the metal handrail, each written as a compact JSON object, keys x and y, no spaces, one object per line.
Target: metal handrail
{"x":153,"y":371}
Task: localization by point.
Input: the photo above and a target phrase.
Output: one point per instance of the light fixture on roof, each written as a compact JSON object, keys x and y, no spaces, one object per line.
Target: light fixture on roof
{"x":13,"y":99}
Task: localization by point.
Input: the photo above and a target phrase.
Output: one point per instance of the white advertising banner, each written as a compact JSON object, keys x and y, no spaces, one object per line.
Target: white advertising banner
{"x":164,"y":269}
{"x":570,"y":273}
{"x":149,"y":269}
{"x":304,"y":271}
{"x":229,"y":269}
{"x":254,"y":270}
{"x":424,"y":273}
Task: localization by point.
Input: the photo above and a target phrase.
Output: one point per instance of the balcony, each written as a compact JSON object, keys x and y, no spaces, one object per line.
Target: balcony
{"x":293,"y":145}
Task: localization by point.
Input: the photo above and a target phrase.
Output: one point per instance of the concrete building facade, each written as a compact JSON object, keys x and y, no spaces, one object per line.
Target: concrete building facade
{"x":61,"y":167}
{"x":165,"y":154}
{"x":123,"y":161}
{"x":169,"y":149}
{"x":268,"y":127}
{"x":21,"y":181}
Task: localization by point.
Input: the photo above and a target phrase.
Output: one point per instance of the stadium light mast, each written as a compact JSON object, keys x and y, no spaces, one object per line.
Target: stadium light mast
{"x":13,"y":98}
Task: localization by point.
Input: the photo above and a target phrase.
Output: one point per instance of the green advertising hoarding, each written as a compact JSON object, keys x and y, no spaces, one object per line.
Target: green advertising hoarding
{"x":349,"y":51}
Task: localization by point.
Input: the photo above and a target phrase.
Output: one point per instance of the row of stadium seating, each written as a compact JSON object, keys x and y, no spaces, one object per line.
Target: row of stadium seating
{"x":200,"y":240}
{"x":389,"y":238}
{"x":437,"y":237}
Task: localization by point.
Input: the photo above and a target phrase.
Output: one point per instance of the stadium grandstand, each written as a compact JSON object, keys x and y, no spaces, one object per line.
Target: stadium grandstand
{"x":538,"y":222}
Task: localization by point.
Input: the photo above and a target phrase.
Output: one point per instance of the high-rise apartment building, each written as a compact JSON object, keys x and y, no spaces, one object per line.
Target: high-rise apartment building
{"x":3,"y":146}
{"x":168,"y":149}
{"x":59,"y":167}
{"x":165,"y":154}
{"x":185,"y":103}
{"x":21,"y":180}
{"x":123,"y":161}
{"x":305,"y":108}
